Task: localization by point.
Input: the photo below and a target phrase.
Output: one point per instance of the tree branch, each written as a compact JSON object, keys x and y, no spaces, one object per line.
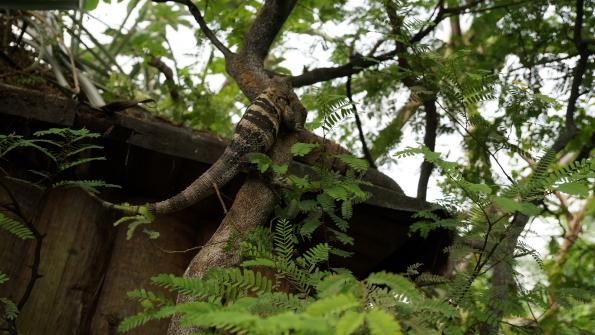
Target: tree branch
{"x":357,"y":64}
{"x":570,"y":129}
{"x":430,"y":142}
{"x":167,"y":72}
{"x":202,"y":24}
{"x":266,"y":26}
{"x":358,"y":122}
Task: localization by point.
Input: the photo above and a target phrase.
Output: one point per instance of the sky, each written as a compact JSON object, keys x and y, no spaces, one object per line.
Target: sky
{"x":405,"y":171}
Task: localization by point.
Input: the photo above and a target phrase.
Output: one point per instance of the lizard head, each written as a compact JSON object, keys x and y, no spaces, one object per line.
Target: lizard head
{"x":280,"y":86}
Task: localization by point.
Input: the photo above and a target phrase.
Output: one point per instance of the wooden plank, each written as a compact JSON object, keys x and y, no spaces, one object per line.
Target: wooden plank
{"x":39,"y":4}
{"x":35,"y":105}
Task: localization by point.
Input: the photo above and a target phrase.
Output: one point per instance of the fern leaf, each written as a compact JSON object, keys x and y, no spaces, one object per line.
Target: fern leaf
{"x":89,"y":185}
{"x":357,"y":164}
{"x":16,"y":228}
{"x":11,"y":311}
{"x":349,"y":323}
{"x":381,"y":323}
{"x":397,"y":283}
{"x":332,"y":305}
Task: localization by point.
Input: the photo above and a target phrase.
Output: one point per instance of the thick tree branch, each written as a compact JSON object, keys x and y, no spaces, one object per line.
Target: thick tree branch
{"x":266,"y":26}
{"x":430,"y":142}
{"x":358,"y":122}
{"x":202,"y":24}
{"x":357,"y":64}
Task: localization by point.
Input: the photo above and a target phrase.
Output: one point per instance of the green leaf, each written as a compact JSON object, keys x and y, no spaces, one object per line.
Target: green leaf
{"x":382,"y":323}
{"x":311,"y":223}
{"x":90,"y":4}
{"x":332,"y":304}
{"x":355,"y":163}
{"x":16,"y":228}
{"x":506,"y":204}
{"x":337,"y":192}
{"x":302,"y":149}
{"x":298,"y":182}
{"x":262,"y":161}
{"x":11,"y":311}
{"x":280,"y":169}
{"x":479,"y":188}
{"x":529,"y":209}
{"x":349,"y":323}
{"x":574,"y":188}
{"x":3,"y":278}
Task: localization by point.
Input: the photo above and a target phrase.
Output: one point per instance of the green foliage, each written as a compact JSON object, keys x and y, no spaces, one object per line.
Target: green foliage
{"x":302,"y":149}
{"x":332,"y":109}
{"x":11,"y":311}
{"x":15,"y":227}
{"x":143,"y":217}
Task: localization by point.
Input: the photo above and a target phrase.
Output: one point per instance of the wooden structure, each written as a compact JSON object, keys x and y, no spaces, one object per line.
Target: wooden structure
{"x":39,"y":4}
{"x":87,"y":265}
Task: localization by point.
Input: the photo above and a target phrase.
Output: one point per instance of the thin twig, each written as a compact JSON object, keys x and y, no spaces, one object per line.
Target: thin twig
{"x":202,"y":24}
{"x":220,"y":198}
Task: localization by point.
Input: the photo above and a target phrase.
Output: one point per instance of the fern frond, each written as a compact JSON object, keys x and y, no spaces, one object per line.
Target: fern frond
{"x":396,"y":283}
{"x":89,"y":185}
{"x":333,"y":304}
{"x":317,"y":254}
{"x":16,"y":228}
{"x":284,"y":239}
{"x":68,"y":165}
{"x":11,"y":311}
{"x":380,"y":322}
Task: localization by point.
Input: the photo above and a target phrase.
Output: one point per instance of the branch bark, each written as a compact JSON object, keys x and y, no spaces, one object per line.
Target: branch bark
{"x":358,"y":122}
{"x":357,"y":64}
{"x":266,"y":26}
{"x":167,"y":72}
{"x":430,"y":142}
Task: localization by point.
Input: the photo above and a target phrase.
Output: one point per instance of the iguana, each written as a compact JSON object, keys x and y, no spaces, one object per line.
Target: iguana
{"x":257,"y":131}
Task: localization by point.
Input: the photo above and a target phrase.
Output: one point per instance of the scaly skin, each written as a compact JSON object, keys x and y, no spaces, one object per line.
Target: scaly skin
{"x":256,"y":132}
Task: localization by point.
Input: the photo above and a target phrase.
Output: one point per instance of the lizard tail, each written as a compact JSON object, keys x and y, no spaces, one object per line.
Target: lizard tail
{"x":216,"y":176}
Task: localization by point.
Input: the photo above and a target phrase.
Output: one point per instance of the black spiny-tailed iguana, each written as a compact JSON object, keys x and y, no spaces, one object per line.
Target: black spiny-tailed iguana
{"x":256,"y":132}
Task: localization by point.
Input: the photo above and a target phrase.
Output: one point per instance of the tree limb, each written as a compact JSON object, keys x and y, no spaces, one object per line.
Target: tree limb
{"x":358,"y":122}
{"x":357,"y":64}
{"x":167,"y":72}
{"x":266,"y":26}
{"x":430,"y":142}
